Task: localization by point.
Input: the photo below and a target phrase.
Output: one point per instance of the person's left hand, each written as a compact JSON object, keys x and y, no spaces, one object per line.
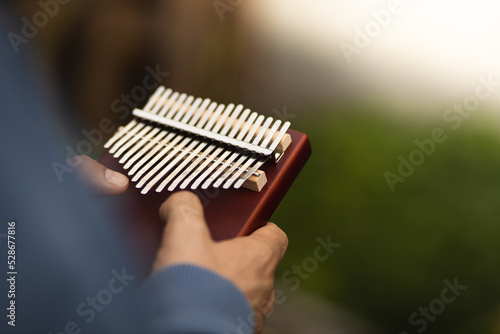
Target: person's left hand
{"x":100,"y":179}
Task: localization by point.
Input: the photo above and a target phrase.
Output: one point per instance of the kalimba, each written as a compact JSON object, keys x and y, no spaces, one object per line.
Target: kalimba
{"x":239,"y":163}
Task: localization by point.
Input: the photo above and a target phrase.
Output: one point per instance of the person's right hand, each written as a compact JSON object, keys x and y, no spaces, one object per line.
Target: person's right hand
{"x":249,"y":262}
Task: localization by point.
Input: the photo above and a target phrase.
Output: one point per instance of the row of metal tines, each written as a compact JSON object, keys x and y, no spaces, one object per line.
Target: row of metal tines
{"x":179,"y":141}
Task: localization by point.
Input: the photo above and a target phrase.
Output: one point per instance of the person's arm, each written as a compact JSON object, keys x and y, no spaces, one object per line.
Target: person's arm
{"x":186,"y":298}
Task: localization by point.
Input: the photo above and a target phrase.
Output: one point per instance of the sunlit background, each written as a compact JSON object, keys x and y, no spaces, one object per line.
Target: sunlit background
{"x":430,"y":50}
{"x":400,"y":247}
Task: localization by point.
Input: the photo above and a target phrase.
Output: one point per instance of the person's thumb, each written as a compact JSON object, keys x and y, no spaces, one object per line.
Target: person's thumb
{"x":186,"y":234}
{"x":101,"y":180}
{"x":185,"y":220}
{"x":273,"y":237}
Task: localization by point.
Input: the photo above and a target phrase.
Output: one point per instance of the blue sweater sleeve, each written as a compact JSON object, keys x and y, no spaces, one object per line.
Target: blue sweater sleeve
{"x":74,"y":274}
{"x":188,"y":299}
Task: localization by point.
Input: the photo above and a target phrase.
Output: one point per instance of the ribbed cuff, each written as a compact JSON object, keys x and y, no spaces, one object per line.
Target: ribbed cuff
{"x":189,"y":299}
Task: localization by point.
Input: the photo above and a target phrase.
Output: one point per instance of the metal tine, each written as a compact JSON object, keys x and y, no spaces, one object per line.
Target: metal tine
{"x":219,"y":161}
{"x":250,"y":172}
{"x":273,"y":146}
{"x":247,"y":139}
{"x":206,"y":161}
{"x":156,"y":102}
{"x":129,"y":134}
{"x":213,"y":157}
{"x":231,"y":120}
{"x":217,"y":126}
{"x":140,"y":144}
{"x":234,"y":156}
{"x":172,"y":175}
{"x":212,"y":122}
{"x":262,"y":131}
{"x":189,"y":151}
{"x":240,"y":121}
{"x":129,"y":126}
{"x":181,"y":176}
{"x":223,"y":166}
{"x":167,"y":104}
{"x":152,"y":163}
{"x":161,"y":171}
{"x":280,"y":135}
{"x":133,"y":130}
{"x":120,"y":133}
{"x":229,"y":109}
{"x":252,"y":158}
{"x":226,"y":165}
{"x":152,"y":152}
{"x":154,"y":141}
{"x":188,"y":106}
{"x":271,"y":133}
{"x":154,"y":97}
{"x":249,"y":123}
{"x":208,"y":135}
{"x":166,"y":160}
{"x":132,"y":140}
{"x":180,"y":106}
{"x":197,"y":115}
{"x":213,"y":170}
{"x":242,"y":156}
{"x":201,"y":123}
{"x":158,"y":109}
{"x":254,"y":129}
{"x":202,"y":156}
{"x":242,"y":168}
{"x":193,"y":108}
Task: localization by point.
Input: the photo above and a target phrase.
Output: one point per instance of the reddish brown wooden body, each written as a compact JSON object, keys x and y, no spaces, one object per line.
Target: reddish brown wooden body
{"x":229,"y":213}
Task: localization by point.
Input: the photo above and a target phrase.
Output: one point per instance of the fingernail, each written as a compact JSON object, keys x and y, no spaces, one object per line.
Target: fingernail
{"x":115,"y":178}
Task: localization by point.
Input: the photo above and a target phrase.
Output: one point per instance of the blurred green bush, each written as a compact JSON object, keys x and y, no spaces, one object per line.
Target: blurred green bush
{"x":398,"y":247}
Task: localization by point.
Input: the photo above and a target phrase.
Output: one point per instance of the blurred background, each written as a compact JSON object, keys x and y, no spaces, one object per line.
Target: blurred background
{"x":364,"y":80}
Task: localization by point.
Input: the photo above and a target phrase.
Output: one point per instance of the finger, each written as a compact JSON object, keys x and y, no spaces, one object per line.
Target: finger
{"x":186,"y":234}
{"x":274,"y":237}
{"x":101,"y":180}
{"x":185,"y":218}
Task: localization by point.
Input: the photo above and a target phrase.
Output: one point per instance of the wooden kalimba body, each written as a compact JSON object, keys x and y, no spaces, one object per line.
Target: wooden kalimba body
{"x":239,"y":163}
